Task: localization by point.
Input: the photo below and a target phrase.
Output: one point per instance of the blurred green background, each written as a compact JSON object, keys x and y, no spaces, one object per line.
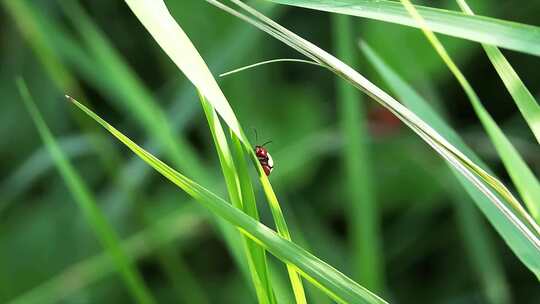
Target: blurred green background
{"x":435,"y":246}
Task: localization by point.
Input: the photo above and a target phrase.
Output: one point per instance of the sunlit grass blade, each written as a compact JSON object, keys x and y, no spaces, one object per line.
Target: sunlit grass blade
{"x":254,"y":254}
{"x":334,"y":283}
{"x":183,"y":224}
{"x":95,"y":218}
{"x":522,"y":176}
{"x":130,"y":93}
{"x":155,"y":16}
{"x":505,"y":204}
{"x":484,"y":260}
{"x":526,"y":103}
{"x":527,"y":253}
{"x":363,"y":214}
{"x":511,"y":35}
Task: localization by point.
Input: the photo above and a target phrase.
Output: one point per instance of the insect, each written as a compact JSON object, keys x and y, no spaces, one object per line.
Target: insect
{"x":265,"y":159}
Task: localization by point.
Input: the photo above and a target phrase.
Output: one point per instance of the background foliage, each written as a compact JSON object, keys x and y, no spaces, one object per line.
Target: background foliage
{"x":434,"y":245}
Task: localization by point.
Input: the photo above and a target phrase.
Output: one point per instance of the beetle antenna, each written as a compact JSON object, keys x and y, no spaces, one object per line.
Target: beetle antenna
{"x":268,"y":142}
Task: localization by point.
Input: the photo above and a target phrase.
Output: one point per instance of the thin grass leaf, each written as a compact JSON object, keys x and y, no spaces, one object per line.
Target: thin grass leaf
{"x":182,"y":224}
{"x":247,"y":67}
{"x":172,"y":39}
{"x":254,"y":254}
{"x":504,"y":203}
{"x":526,"y":103}
{"x":522,"y":176}
{"x":527,"y":253}
{"x":484,"y":259}
{"x":334,"y":283}
{"x":97,"y":220}
{"x":363,"y":216}
{"x":506,"y":34}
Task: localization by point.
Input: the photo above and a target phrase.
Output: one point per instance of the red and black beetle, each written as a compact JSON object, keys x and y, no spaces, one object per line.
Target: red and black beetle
{"x":265,"y":159}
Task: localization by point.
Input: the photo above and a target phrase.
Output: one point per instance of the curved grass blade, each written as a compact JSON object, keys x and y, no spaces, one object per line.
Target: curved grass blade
{"x":334,"y":283}
{"x":506,"y":34}
{"x":363,"y":216}
{"x":491,"y":274}
{"x":156,"y":18}
{"x":504,"y":203}
{"x":522,"y":176}
{"x":97,"y":220}
{"x":254,"y":254}
{"x":247,"y":67}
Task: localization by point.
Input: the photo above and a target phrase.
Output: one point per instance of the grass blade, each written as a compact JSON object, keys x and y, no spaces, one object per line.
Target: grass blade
{"x":505,"y":34}
{"x":172,"y":39}
{"x":334,"y":283}
{"x":363,"y":216}
{"x":255,"y":255}
{"x":527,"y":253}
{"x":522,"y":176}
{"x":91,"y":212}
{"x":487,"y":267}
{"x":504,"y":204}
{"x":182,"y":224}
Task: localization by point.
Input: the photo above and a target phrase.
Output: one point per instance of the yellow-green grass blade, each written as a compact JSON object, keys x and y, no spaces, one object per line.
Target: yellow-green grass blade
{"x":334,"y":283}
{"x":527,"y":253}
{"x":522,"y":176}
{"x":253,"y":253}
{"x":156,"y":18}
{"x":367,"y":256}
{"x":506,"y":34}
{"x":97,"y":220}
{"x":506,"y":205}
{"x":523,"y":98}
{"x":249,"y":206}
{"x":183,"y":224}
{"x":131,"y":93}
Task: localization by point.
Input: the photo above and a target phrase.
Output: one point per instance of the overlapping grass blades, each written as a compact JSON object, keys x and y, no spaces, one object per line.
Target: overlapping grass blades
{"x":511,"y":35}
{"x":169,"y":35}
{"x":242,"y":196}
{"x":334,"y":283}
{"x":522,"y":176}
{"x":492,"y":276}
{"x":504,"y":210}
{"x":95,"y":218}
{"x":363,"y":217}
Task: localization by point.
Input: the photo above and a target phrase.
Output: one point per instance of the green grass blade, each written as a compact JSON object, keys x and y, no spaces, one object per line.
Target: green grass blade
{"x":363,"y":215}
{"x":155,"y":16}
{"x":335,"y":284}
{"x":522,"y":176}
{"x":258,"y":267}
{"x":505,"y":34}
{"x":89,"y":208}
{"x":134,"y":96}
{"x":524,"y":250}
{"x":526,"y":103}
{"x":504,"y":204}
{"x":180,"y":225}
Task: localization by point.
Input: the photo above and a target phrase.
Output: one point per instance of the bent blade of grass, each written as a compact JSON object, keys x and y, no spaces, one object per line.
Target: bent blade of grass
{"x":257,"y":266}
{"x":97,"y":220}
{"x":156,"y":18}
{"x":527,"y":253}
{"x":526,"y":103}
{"x":504,"y":203}
{"x":522,"y":176}
{"x":363,"y":216}
{"x":510,"y":35}
{"x":334,"y":283}
{"x":247,"y":67}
